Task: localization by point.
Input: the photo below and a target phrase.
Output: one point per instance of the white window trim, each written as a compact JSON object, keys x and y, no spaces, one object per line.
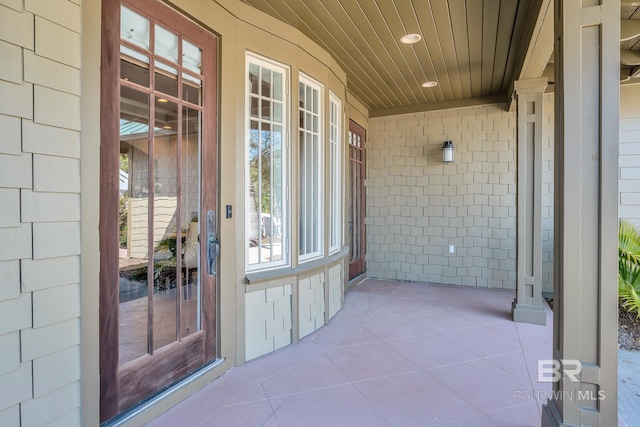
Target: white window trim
{"x":252,"y":58}
{"x":319,"y":163}
{"x":335,"y":173}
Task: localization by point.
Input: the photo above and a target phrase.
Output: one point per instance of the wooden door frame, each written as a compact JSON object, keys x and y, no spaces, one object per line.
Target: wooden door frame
{"x":197,"y":349}
{"x":358,"y":267}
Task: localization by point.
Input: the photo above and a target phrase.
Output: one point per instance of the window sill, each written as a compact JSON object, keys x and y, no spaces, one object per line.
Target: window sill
{"x":255,"y":278}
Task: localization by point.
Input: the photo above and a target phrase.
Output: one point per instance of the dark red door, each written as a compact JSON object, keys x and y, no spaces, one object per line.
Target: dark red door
{"x":357,"y":200}
{"x":158,"y":197}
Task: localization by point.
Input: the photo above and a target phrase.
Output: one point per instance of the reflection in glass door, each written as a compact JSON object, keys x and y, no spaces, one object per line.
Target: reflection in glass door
{"x":164,"y":301}
{"x":158,"y":209}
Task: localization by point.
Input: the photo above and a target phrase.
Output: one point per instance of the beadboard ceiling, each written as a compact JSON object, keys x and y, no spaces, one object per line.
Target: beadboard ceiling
{"x":473,"y":49}
{"x":630,"y":41}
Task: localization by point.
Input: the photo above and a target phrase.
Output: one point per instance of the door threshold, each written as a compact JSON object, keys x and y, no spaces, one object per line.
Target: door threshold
{"x":130,"y":414}
{"x":356,"y":280}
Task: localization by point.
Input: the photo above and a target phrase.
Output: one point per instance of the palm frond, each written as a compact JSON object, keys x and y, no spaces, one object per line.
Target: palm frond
{"x":629,"y":242}
{"x":629,"y":295}
{"x":629,"y":267}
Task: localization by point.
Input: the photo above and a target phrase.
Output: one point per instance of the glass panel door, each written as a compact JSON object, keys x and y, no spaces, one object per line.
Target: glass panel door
{"x":164,"y":306}
{"x":357,"y":200}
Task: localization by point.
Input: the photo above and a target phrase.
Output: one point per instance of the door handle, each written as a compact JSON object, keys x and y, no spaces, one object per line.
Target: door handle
{"x":213,"y":247}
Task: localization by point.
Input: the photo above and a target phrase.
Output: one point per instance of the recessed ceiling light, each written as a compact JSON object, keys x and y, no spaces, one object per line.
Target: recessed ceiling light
{"x":429,"y":84}
{"x":411,"y":38}
{"x":163,"y":100}
{"x":166,"y":127}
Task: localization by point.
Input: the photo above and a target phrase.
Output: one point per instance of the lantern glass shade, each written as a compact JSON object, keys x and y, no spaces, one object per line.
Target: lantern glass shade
{"x":447,"y":152}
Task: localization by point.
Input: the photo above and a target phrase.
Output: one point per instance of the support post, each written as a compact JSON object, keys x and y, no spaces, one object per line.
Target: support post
{"x":527,"y":306}
{"x":586,"y":213}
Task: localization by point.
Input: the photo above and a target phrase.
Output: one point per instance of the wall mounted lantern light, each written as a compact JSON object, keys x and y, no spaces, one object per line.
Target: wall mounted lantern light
{"x":447,"y":152}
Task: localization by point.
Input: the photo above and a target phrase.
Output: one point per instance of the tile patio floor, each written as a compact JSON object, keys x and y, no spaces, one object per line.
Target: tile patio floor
{"x":397,"y":354}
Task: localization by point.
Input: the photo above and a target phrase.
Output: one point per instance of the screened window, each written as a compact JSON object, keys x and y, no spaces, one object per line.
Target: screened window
{"x":310,"y":243}
{"x":266,"y":141}
{"x":335,"y":171}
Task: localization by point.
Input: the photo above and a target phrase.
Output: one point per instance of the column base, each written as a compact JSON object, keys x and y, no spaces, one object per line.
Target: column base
{"x":525,"y":313}
{"x":550,"y":415}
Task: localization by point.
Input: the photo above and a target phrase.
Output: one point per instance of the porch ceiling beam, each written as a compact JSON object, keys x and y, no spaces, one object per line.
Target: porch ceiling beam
{"x":442,"y":105}
{"x":629,"y":29}
{"x":536,"y":46}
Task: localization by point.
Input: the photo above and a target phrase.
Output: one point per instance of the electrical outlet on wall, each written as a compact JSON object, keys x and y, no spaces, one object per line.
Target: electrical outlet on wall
{"x":452,"y":249}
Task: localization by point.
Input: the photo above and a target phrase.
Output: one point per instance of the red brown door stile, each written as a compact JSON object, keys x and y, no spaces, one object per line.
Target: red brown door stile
{"x":357,"y":202}
{"x":158,"y":148}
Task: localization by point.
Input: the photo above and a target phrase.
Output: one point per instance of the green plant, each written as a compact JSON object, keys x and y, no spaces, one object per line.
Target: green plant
{"x":123,"y":214}
{"x":167,"y":246}
{"x":629,"y":267}
{"x":165,"y":268}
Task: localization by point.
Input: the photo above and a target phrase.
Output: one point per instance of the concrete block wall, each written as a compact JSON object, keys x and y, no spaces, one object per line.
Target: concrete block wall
{"x":268,"y":317}
{"x":630,"y":153}
{"x":417,"y":206}
{"x":311,"y":304}
{"x":40,"y":215}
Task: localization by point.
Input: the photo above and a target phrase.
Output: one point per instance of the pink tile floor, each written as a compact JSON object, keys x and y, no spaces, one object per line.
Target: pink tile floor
{"x":397,"y":354}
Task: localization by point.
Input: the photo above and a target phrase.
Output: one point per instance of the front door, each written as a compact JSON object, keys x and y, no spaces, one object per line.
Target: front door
{"x":158,"y":201}
{"x":357,"y":200}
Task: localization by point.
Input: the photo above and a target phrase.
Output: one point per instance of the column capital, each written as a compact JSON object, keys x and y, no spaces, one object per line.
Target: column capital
{"x":530,"y":85}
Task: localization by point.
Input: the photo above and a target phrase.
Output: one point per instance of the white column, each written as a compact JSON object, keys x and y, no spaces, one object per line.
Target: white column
{"x":587,"y":65}
{"x":527,"y":307}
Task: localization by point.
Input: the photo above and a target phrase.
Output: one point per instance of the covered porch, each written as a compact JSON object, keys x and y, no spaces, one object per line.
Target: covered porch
{"x":398,"y":353}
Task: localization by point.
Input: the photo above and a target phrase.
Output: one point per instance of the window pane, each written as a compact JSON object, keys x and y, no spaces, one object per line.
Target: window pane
{"x":254,"y":192}
{"x":266,"y":109}
{"x":335,"y":230}
{"x":191,"y":57}
{"x":277,"y":86}
{"x":134,"y":28}
{"x":254,"y":72}
{"x":266,"y":83}
{"x":254,"y":109}
{"x":135,"y":71}
{"x":315,"y":101}
{"x":191,"y":90}
{"x":310,"y":174}
{"x":166,"y":79}
{"x":277,"y":112}
{"x":165,"y":227}
{"x":191,"y":292}
{"x":134,"y":225}
{"x":266,"y":146}
{"x":166,"y":44}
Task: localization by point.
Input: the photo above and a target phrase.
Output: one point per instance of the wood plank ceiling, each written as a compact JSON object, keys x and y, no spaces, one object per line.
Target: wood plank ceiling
{"x":473,"y":49}
{"x":630,"y":41}
{"x":469,"y":47}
